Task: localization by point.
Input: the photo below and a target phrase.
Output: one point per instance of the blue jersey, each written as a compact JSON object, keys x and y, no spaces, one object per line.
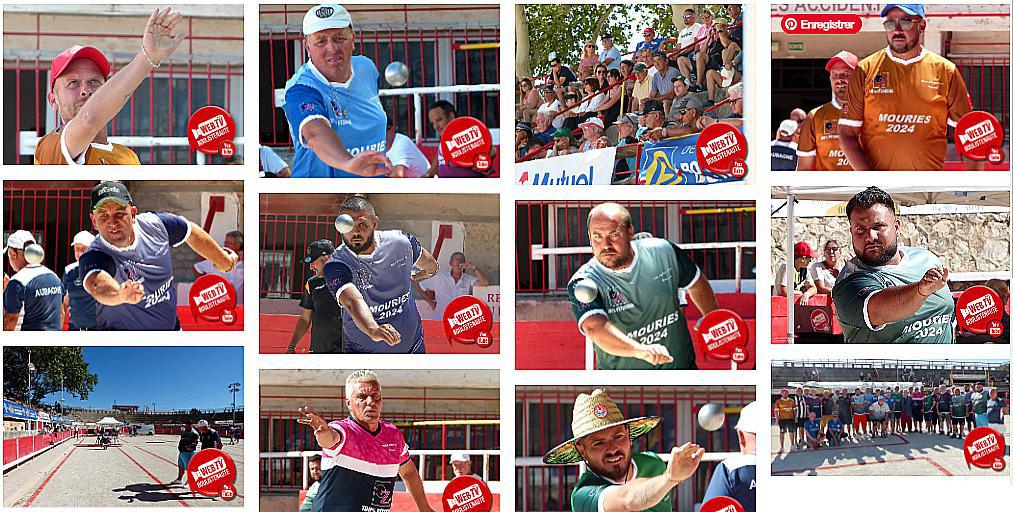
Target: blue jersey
{"x":735,"y":477}
{"x":36,"y":291}
{"x":654,"y":45}
{"x":82,"y":304}
{"x":384,"y":280}
{"x":813,"y":427}
{"x":835,"y":426}
{"x":147,"y":261}
{"x":352,"y":109}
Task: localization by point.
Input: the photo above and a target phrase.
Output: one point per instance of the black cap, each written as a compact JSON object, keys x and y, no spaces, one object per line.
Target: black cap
{"x":522,"y":126}
{"x":659,"y":53}
{"x":652,"y":106}
{"x":110,"y":191}
{"x":606,"y":35}
{"x":318,"y":248}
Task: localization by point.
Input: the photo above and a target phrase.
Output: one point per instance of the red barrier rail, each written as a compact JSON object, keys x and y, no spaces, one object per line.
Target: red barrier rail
{"x":563,"y":224}
{"x":21,"y":447}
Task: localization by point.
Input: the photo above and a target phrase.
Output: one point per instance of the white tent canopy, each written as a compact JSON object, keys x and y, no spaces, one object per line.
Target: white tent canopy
{"x":905,"y":196}
{"x":109,"y":421}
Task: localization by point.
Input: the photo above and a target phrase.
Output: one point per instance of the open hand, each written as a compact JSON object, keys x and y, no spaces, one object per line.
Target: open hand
{"x":159,"y":40}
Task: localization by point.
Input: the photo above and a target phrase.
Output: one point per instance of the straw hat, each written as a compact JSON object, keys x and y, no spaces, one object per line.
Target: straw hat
{"x":593,"y":413}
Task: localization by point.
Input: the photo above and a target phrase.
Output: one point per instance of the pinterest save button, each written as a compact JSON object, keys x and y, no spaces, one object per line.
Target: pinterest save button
{"x":809,"y":24}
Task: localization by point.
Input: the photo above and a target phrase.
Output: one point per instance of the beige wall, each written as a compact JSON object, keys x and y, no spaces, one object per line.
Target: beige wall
{"x":964,"y":242}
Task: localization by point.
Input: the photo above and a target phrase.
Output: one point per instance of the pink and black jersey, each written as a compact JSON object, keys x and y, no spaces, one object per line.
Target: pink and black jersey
{"x":358,"y":474}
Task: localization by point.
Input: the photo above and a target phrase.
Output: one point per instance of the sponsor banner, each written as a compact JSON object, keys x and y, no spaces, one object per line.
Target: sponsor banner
{"x":588,"y":168}
{"x":674,"y":162}
{"x":18,"y":411}
{"x":489,"y":295}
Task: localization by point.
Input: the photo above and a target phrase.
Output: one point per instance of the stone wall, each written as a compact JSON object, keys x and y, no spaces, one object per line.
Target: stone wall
{"x":964,"y":242}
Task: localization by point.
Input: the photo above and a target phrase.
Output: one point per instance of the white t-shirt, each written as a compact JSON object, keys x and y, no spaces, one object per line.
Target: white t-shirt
{"x":403,"y":151}
{"x":551,"y":108}
{"x":235,"y":276}
{"x":690,"y":34}
{"x":447,"y":290}
{"x":818,"y":271}
{"x":781,"y":277}
{"x":270,"y":162}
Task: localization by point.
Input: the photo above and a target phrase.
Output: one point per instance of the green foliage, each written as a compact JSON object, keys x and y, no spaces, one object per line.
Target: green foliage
{"x":51,"y":363}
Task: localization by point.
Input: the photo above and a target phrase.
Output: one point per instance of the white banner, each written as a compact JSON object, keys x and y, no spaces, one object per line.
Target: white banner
{"x":589,"y":168}
{"x":490,"y":296}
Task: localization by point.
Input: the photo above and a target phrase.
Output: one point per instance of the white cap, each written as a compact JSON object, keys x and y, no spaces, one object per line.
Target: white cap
{"x":18,"y":239}
{"x":84,"y":238}
{"x":202,"y":423}
{"x":787,"y":127}
{"x":751,"y":418}
{"x":593,"y":121}
{"x":325,"y":16}
{"x":459,"y":457}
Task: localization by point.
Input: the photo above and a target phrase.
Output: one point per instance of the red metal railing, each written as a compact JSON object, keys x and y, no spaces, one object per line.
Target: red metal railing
{"x":544,"y":421}
{"x":988,"y":84}
{"x":283,"y":246}
{"x":53,"y":215}
{"x":423,"y":49}
{"x":201,"y":82}
{"x":563,"y":224}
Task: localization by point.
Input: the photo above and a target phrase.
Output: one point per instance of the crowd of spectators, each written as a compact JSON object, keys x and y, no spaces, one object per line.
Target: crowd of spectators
{"x":667,"y":87}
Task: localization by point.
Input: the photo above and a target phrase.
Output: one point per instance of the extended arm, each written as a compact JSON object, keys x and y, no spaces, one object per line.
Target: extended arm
{"x":202,"y":243}
{"x":351,"y":300}
{"x":644,"y":493}
{"x":325,"y":143}
{"x":703,"y":295}
{"x":611,"y":339}
{"x":301,"y":326}
{"x":106,"y":291}
{"x":896,"y":303}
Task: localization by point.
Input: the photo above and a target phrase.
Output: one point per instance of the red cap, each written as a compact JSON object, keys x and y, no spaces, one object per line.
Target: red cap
{"x":648,"y":29}
{"x":803,"y":249}
{"x":845,"y":57}
{"x":67,"y":56}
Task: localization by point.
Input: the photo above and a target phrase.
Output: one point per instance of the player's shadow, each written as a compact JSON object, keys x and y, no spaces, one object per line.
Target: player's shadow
{"x":152,"y":493}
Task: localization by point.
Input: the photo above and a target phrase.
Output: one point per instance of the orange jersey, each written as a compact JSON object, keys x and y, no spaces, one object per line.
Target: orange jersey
{"x":785,"y":408}
{"x":903,"y":109}
{"x":819,"y":139}
{"x":50,"y":151}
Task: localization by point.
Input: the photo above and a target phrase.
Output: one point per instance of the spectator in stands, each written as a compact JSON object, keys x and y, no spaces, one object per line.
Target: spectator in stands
{"x":593,"y":132}
{"x":452,"y":283}
{"x":825,"y":271}
{"x":689,"y":37}
{"x":783,"y":152}
{"x":996,"y":410}
{"x":592,"y":100}
{"x":1002,"y":288}
{"x":813,"y":433}
{"x":234,"y":243}
{"x":651,"y":120}
{"x":624,"y":171}
{"x":625,"y":68}
{"x":271,"y":165}
{"x":735,"y":476}
{"x":611,"y":105}
{"x":663,"y":83}
{"x":588,"y":60}
{"x":683,"y":99}
{"x":979,"y":405}
{"x":737,"y":105}
{"x":524,"y":140}
{"x":735,"y":11}
{"x":720,"y":60}
{"x":561,"y":76}
{"x":543,"y":129}
{"x":651,"y":42}
{"x":209,"y":437}
{"x":313,"y":465}
{"x":786,"y":409}
{"x":187,"y":447}
{"x":573,"y":112}
{"x":78,"y":304}
{"x":646,"y":57}
{"x":801,"y":280}
{"x":530,"y":101}
{"x":551,"y":106}
{"x":641,"y":86}
{"x":610,"y":55}
{"x":406,"y":159}
{"x":694,"y":64}
{"x":835,"y":430}
{"x":563,"y":143}
{"x":460,"y":463}
{"x":958,"y":413}
{"x":321,"y":314}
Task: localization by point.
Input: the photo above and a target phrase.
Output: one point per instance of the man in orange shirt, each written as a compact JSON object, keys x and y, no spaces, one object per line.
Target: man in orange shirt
{"x":85,"y":102}
{"x":901,"y":99}
{"x":818,"y":147}
{"x":786,"y":418}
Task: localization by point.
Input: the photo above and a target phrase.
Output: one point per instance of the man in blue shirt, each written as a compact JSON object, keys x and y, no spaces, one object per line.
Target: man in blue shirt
{"x":332,"y":103}
{"x":77,"y":302}
{"x":835,"y":430}
{"x":34,"y":294}
{"x":128,"y":269}
{"x":371,"y":275}
{"x":735,"y":476}
{"x":812,"y":432}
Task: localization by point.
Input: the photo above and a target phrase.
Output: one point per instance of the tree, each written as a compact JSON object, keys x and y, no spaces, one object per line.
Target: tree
{"x":51,"y":364}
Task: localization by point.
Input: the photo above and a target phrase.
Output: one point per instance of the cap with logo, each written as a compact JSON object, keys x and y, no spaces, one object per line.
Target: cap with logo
{"x":19,"y":239}
{"x":594,"y":121}
{"x":844,"y":56}
{"x":325,"y":16}
{"x":84,"y":238}
{"x":318,"y":248}
{"x":787,"y":127}
{"x":63,"y":60}
{"x":110,"y":191}
{"x":202,"y":423}
{"x":912,"y":9}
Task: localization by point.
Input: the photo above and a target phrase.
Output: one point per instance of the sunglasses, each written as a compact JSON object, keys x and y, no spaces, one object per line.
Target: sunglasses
{"x":687,"y":16}
{"x":599,"y":72}
{"x":905,"y":23}
{"x":833,"y":249}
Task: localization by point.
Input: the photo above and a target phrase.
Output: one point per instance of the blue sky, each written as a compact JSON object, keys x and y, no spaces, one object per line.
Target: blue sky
{"x":171,"y":377}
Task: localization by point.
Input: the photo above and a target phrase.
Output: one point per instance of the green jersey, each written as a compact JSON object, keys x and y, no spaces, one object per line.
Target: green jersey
{"x":928,"y":403}
{"x":959,"y":406}
{"x":979,"y":402}
{"x":591,"y":486}
{"x":642,"y":300}
{"x":858,"y":282}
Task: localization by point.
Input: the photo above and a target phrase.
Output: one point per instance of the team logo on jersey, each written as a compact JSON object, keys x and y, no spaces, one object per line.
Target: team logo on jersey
{"x":383,"y":494}
{"x":830,"y":128}
{"x":618,"y":301}
{"x":309,"y":107}
{"x":844,"y":108}
{"x":129,"y":270}
{"x":882,"y":79}
{"x":361,"y":277}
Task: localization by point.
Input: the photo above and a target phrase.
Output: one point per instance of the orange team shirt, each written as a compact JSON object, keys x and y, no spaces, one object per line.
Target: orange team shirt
{"x":49,"y":151}
{"x":819,"y":139}
{"x":785,"y":408}
{"x":903,"y":108}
